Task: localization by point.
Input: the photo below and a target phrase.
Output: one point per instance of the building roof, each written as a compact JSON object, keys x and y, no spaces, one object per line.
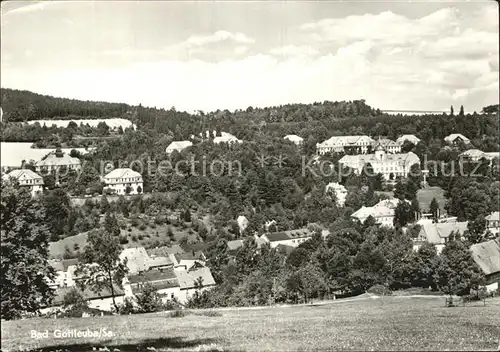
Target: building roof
{"x":153,"y":275}
{"x":159,"y":261}
{"x":293,"y":138}
{"x":408,"y":137}
{"x":277,"y":236}
{"x":69,"y":262}
{"x":386,"y":142}
{"x":158,"y":285}
{"x":436,"y":232}
{"x":24,"y":174}
{"x":165,"y":250}
{"x":376,"y":212}
{"x":454,"y":136}
{"x":58,"y":158}
{"x":495,"y":216}
{"x":487,"y":256}
{"x":406,"y":159}
{"x":193,"y":255}
{"x":234,"y":245}
{"x":335,"y":186}
{"x":87,"y":293}
{"x":492,"y":155}
{"x":137,"y":259}
{"x":122,"y":173}
{"x":178,"y":145}
{"x":226,"y":138}
{"x":187,"y":278}
{"x":347,"y":140}
{"x":473,"y":153}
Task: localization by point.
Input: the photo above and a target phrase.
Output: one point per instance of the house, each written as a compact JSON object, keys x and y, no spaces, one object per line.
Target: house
{"x":389,"y":146}
{"x":339,"y":190}
{"x":487,"y":257}
{"x":27,"y":179}
{"x":102,"y":300}
{"x":292,"y":238}
{"x":382,"y":212}
{"x":178,"y":146}
{"x":389,"y":165}
{"x":158,"y":263}
{"x":226,"y":138}
{"x":56,"y":160}
{"x":232,"y":246}
{"x":408,"y":138}
{"x":456,"y":138}
{"x":437,"y":233}
{"x":191,"y":280}
{"x":124,"y":181}
{"x":137,"y":259}
{"x":476,"y":155}
{"x":493,"y":223}
{"x":297,"y":140}
{"x":339,"y":144}
{"x":188,"y":259}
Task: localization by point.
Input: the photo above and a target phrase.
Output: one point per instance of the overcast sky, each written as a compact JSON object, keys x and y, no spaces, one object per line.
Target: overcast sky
{"x":231,"y":55}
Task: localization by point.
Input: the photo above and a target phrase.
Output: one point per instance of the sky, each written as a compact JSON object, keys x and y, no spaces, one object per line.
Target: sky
{"x":209,"y":55}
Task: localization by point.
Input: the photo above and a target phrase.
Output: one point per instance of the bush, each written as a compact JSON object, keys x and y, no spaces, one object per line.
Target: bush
{"x":178,"y":314}
{"x":123,"y":240}
{"x":148,"y":300}
{"x":152,"y":225}
{"x":140,"y":237}
{"x":379,"y":290}
{"x":134,"y":238}
{"x":142,"y":227}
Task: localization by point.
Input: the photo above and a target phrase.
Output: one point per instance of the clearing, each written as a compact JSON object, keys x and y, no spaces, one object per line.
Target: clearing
{"x":387,"y":323}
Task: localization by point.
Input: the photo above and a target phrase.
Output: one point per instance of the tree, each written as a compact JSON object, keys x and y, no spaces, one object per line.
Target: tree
{"x":434,"y":209}
{"x":148,"y":300}
{"x":75,"y":303}
{"x":111,"y":224}
{"x":104,"y":205}
{"x":457,"y":273}
{"x":57,"y":210}
{"x":476,"y":230}
{"x":24,"y":254}
{"x":451,"y":110}
{"x":101,"y":266}
{"x":402,"y":214}
{"x":461,"y":113}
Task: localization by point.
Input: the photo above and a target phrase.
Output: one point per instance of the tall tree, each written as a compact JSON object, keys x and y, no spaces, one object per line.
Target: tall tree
{"x":101,"y":267}
{"x":434,"y":209}
{"x":24,"y":254}
{"x":111,"y":224}
{"x":57,"y":211}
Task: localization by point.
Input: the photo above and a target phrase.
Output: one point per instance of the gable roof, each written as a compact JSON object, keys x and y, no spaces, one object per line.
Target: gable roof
{"x":122,"y":173}
{"x":26,"y":174}
{"x":293,"y":138}
{"x":277,"y":236}
{"x":52,"y":159}
{"x":454,"y":136}
{"x":137,"y":259}
{"x":406,"y":159}
{"x":348,"y":140}
{"x":87,"y":293}
{"x":158,"y":261}
{"x":435,"y":233}
{"x":408,"y":137}
{"x":187,"y":278}
{"x":487,"y":256}
{"x":178,"y":145}
{"x":234,"y":245}
{"x":153,"y":275}
{"x":495,"y":216}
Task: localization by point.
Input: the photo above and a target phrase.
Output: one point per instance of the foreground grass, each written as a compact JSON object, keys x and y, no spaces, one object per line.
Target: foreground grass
{"x":390,"y":323}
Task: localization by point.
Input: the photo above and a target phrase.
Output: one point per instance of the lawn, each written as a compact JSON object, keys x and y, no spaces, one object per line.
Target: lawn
{"x":390,"y":323}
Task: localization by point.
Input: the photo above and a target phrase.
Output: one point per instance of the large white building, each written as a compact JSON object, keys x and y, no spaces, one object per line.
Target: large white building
{"x":389,"y":145}
{"x":56,"y":160}
{"x":455,"y":138}
{"x":339,"y":144}
{"x":339,"y":190}
{"x":122,"y":180}
{"x":389,"y":165}
{"x":476,"y":155}
{"x":291,"y":238}
{"x":408,"y":138}
{"x":437,"y":234}
{"x":27,"y":179}
{"x":382,"y":212}
{"x":226,"y":138}
{"x":178,"y":146}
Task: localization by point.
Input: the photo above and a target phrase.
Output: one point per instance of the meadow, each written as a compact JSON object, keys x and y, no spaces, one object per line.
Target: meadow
{"x":387,"y":323}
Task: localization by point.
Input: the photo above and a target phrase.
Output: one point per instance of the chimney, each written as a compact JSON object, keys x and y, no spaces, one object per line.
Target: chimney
{"x":59,"y":153}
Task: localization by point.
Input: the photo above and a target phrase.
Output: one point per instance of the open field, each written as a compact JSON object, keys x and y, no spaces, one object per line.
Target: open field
{"x":390,"y":323}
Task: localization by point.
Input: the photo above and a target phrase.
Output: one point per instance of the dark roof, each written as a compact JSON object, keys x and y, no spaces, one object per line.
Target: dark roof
{"x":299,"y":233}
{"x":87,"y":293}
{"x":158,"y":285}
{"x":277,"y":236}
{"x":198,"y":246}
{"x":153,"y":275}
{"x":197,"y":255}
{"x":68,"y":262}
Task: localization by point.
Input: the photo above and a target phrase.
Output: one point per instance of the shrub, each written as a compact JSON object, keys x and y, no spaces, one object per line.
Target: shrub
{"x":152,"y":225}
{"x":123,"y":240}
{"x":140,"y":237}
{"x":178,"y":314}
{"x":148,"y":300}
{"x":142,"y":227}
{"x":134,"y":238}
{"x":379,"y":290}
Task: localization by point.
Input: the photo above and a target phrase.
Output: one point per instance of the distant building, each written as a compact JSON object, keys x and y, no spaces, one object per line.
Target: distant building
{"x":226,"y":138}
{"x":27,"y":179}
{"x":389,"y":165}
{"x":188,"y":259}
{"x":178,"y":146}
{"x":290,"y":238}
{"x":456,"y":138}
{"x":388,"y":145}
{"x":438,"y":233}
{"x":408,"y":138}
{"x":339,"y":190}
{"x":56,"y":160}
{"x":487,"y":257}
{"x":342,"y":144}
{"x":297,"y":140}
{"x":233,"y":246}
{"x":137,"y":259}
{"x":124,"y":181}
{"x":476,"y":155}
{"x":493,"y":222}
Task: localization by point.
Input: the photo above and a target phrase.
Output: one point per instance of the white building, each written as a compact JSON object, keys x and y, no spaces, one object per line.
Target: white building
{"x":339,"y":144}
{"x":339,"y":190}
{"x":437,"y":233}
{"x":408,"y":138}
{"x":389,"y":165}
{"x":389,"y":145}
{"x":455,"y":138}
{"x":382,"y":212}
{"x":226,"y":138}
{"x":487,"y":257}
{"x":178,"y":146}
{"x":493,"y":222}
{"x":27,"y":179}
{"x":56,"y":160}
{"x":121,"y":180}
{"x":297,"y":140}
{"x":476,"y":155}
{"x":292,"y":238}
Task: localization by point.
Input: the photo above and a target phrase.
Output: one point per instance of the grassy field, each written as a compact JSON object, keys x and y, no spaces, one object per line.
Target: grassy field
{"x":390,"y":323}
